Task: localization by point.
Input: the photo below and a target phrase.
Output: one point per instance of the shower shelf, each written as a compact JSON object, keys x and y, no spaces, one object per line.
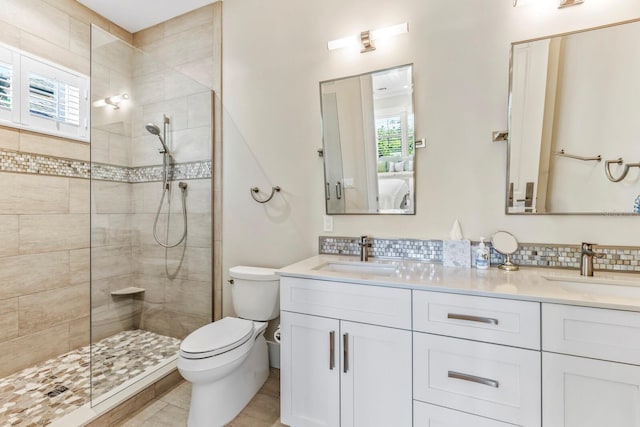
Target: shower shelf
{"x":127,"y":291}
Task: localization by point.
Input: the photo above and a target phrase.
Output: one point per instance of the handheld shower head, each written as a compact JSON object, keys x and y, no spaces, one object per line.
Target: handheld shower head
{"x":155,"y":130}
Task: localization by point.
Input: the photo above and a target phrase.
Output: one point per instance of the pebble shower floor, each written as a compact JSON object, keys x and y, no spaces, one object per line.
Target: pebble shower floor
{"x":40,"y":394}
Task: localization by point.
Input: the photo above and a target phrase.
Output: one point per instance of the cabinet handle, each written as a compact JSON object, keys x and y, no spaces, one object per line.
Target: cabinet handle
{"x":473,"y":379}
{"x":332,"y":350}
{"x":328,"y":192}
{"x":345,"y":355}
{"x":339,"y":190}
{"x":478,"y":319}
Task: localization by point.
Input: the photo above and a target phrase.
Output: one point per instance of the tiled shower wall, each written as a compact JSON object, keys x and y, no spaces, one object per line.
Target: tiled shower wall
{"x":112,"y":69}
{"x":179,"y":280}
{"x":44,"y":220}
{"x":127,"y":183}
{"x":192,"y":44}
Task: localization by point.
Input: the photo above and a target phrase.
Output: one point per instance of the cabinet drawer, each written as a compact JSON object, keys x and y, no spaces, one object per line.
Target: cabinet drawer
{"x":489,"y":380}
{"x":425,"y":415}
{"x":376,"y":305}
{"x":592,"y":332}
{"x":501,"y":321}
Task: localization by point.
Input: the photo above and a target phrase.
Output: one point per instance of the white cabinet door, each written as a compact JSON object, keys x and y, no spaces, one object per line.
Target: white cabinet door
{"x":310,"y":370}
{"x":376,"y":376}
{"x":581,"y":392}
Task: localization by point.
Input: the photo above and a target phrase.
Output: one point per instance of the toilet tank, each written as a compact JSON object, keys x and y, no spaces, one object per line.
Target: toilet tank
{"x":255,"y":292}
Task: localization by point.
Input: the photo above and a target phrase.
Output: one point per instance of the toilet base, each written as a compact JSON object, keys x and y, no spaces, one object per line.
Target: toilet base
{"x":217,"y":403}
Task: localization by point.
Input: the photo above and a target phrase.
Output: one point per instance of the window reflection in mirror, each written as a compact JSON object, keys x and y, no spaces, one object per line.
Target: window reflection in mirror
{"x":369,"y":142}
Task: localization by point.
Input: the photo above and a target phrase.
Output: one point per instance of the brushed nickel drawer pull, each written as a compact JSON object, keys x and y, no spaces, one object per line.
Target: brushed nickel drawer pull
{"x":488,"y":320}
{"x":332,"y":350}
{"x":473,"y":379}
{"x":345,"y":347}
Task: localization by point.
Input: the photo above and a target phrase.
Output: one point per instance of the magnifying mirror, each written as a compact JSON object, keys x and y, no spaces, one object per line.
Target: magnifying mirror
{"x":506,"y":244}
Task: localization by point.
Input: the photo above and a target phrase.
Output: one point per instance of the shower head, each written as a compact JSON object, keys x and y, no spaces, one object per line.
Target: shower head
{"x":155,"y":130}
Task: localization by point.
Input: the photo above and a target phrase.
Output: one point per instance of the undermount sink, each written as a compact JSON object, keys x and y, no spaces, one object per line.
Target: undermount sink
{"x":593,"y":280}
{"x":357,"y":267}
{"x":597,"y":286}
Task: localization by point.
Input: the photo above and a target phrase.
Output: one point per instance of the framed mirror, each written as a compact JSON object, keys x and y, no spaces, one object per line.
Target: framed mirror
{"x":369,"y":143}
{"x":574,"y":137}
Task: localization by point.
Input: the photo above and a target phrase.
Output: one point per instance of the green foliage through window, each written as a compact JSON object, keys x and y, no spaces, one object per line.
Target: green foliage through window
{"x":389,"y":135}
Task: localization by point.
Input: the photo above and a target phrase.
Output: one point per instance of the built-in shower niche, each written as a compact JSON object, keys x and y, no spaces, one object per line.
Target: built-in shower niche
{"x":146,"y":297}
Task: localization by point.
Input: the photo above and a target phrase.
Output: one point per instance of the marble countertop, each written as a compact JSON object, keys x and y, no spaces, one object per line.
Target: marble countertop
{"x":605,"y":289}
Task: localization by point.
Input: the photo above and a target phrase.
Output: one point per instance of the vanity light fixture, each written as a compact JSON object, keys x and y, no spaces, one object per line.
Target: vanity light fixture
{"x":113,"y":101}
{"x":367,"y":38}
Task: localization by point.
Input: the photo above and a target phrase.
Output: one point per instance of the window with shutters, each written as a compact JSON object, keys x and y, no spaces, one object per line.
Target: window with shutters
{"x":42,"y":97}
{"x":394,"y":135}
{"x":6,"y":88}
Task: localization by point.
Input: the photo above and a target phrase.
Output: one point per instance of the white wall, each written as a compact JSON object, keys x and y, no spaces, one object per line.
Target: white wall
{"x":274,"y":55}
{"x":604,"y":124}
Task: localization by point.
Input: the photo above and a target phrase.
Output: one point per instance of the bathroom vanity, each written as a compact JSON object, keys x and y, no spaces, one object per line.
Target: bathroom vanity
{"x":404,"y":343}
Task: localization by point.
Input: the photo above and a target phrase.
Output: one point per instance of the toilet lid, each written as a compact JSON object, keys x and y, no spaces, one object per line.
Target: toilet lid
{"x":216,"y":338}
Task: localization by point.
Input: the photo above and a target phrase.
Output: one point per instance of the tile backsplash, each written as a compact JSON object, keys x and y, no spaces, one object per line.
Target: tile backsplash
{"x":626,"y":259}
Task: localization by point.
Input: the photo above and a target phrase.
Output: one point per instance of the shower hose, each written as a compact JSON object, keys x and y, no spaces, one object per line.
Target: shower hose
{"x":165,"y":189}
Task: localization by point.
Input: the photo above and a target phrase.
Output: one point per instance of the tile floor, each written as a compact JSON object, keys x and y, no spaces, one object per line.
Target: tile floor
{"x":35,"y":396}
{"x":172,"y":408}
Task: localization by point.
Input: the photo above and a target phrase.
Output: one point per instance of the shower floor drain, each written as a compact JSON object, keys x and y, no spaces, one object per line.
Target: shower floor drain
{"x":57,"y":391}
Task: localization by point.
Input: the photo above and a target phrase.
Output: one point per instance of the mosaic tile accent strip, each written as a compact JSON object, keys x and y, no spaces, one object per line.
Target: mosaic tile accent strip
{"x":178,"y":171}
{"x":622,"y":259}
{"x":615,"y":258}
{"x":412,"y":249}
{"x":18,"y":162}
{"x":37,"y":164}
{"x":38,"y":395}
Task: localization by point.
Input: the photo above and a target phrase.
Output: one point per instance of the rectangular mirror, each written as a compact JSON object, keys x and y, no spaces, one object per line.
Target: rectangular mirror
{"x":573,"y":112}
{"x":369,"y":143}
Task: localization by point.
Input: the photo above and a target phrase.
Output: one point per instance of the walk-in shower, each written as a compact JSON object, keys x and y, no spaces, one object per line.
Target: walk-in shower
{"x":102,"y":306}
{"x":151,"y":279}
{"x":167,"y":160}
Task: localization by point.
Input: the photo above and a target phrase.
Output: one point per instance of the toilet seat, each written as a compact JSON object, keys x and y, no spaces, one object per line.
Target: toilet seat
{"x":217,"y":338}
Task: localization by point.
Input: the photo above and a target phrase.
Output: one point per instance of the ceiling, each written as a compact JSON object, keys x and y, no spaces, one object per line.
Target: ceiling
{"x":136,"y":15}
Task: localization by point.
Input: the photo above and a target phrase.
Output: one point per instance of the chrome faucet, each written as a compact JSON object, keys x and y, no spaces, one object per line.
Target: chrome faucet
{"x":586,"y":259}
{"x":364,"y":244}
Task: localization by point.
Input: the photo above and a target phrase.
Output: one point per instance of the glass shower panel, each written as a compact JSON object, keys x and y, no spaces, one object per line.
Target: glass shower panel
{"x":151,"y":278}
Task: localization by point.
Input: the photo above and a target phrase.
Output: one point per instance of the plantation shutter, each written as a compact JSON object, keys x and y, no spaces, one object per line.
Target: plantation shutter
{"x":55,"y":101}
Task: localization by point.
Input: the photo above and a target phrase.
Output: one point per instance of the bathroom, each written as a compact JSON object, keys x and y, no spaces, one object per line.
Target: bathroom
{"x":264,"y":74}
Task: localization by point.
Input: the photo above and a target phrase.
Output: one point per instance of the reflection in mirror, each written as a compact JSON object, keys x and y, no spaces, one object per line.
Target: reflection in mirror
{"x":506,"y":244}
{"x":574,"y":105}
{"x":368,"y":142}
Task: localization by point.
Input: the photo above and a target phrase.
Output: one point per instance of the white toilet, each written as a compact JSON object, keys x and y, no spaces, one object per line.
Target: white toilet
{"x":227,"y":361}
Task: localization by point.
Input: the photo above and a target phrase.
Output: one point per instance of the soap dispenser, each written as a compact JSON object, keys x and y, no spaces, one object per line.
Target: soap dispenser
{"x":482,"y":255}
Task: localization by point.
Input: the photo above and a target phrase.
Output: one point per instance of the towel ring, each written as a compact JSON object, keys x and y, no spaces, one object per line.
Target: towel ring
{"x":625,"y":169}
{"x":255,"y":190}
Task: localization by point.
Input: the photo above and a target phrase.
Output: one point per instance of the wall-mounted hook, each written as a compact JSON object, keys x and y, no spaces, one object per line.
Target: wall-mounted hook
{"x":255,"y":190}
{"x":625,"y":169}
{"x":320,"y":152}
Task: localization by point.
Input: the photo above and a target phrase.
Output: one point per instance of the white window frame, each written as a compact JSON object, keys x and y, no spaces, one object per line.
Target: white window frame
{"x":403,"y":116}
{"x":23,"y":65}
{"x":12,"y":59}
